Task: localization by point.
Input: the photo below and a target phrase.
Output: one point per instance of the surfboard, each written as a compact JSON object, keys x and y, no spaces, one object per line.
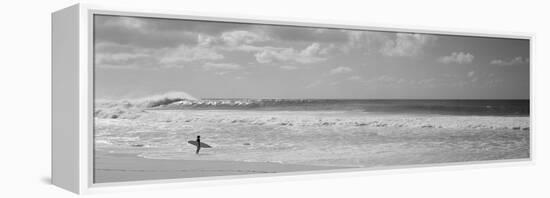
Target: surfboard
{"x":203,"y":145}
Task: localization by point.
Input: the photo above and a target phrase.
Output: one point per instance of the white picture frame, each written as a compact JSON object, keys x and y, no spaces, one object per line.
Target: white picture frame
{"x":72,"y":98}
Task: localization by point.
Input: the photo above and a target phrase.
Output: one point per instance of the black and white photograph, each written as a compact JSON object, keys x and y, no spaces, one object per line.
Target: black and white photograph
{"x":179,"y":98}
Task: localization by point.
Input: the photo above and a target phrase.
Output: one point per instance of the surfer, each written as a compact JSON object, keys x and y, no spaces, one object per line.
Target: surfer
{"x":198,"y":144}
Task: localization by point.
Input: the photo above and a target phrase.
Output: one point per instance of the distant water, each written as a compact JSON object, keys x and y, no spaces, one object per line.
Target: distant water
{"x":442,"y":107}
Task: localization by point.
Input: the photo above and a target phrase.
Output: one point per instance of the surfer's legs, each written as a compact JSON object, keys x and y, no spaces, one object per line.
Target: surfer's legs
{"x":198,"y":149}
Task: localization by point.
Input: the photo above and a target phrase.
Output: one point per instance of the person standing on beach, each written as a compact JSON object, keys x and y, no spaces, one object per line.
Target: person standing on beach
{"x":198,"y":144}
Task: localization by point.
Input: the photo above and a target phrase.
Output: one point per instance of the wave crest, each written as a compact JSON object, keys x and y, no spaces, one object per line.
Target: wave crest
{"x":162,"y":99}
{"x":131,"y":108}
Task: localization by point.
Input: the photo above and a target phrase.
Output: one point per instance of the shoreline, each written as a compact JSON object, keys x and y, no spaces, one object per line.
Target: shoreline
{"x":151,"y":145}
{"x":128,"y":167}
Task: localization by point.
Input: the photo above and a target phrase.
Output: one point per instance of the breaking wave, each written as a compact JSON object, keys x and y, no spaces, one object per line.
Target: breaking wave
{"x":130,"y":108}
{"x":134,"y":108}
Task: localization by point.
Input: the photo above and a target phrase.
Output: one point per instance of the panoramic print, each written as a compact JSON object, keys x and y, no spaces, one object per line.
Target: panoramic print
{"x":178,"y":98}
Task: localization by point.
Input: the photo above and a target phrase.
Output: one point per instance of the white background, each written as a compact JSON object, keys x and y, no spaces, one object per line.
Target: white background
{"x":25,"y":98}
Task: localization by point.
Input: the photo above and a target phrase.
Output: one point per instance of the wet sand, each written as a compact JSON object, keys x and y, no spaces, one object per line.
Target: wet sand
{"x":127,"y":167}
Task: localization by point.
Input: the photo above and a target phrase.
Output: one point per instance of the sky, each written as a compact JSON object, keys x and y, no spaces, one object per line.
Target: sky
{"x":137,"y":57}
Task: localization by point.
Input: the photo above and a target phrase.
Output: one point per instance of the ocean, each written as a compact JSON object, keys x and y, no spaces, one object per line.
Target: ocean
{"x":343,"y":133}
{"x":440,"y":107}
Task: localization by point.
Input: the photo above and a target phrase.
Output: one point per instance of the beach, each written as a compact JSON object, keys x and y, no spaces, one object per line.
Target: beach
{"x":128,"y":167}
{"x":151,"y":143}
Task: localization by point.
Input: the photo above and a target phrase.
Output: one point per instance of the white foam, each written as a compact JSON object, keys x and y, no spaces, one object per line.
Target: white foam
{"x":321,"y":138}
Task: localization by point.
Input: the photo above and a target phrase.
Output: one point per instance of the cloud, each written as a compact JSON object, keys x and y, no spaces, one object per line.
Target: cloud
{"x":247,"y":41}
{"x":113,"y":55}
{"x":335,"y":83}
{"x":206,"y":40}
{"x":432,"y":82}
{"x":313,"y":84}
{"x":328,"y":49}
{"x":407,"y":44}
{"x":289,"y":67}
{"x":236,"y":40}
{"x":156,"y":32}
{"x":387,"y":44}
{"x":142,"y":32}
{"x":365,"y":41}
{"x":514,"y":61}
{"x":473,"y":77}
{"x":221,"y":66}
{"x":457,"y":57}
{"x":238,"y":37}
{"x":392,"y":81}
{"x":126,"y":22}
{"x":148,"y":43}
{"x":385,"y":79}
{"x":309,"y":54}
{"x":117,"y":56}
{"x":311,"y":50}
{"x":355,"y":78}
{"x":222,"y":73}
{"x":340,"y":70}
{"x":184,"y":54}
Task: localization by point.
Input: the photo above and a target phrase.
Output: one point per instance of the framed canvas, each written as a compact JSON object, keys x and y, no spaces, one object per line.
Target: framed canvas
{"x":143,"y":97}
